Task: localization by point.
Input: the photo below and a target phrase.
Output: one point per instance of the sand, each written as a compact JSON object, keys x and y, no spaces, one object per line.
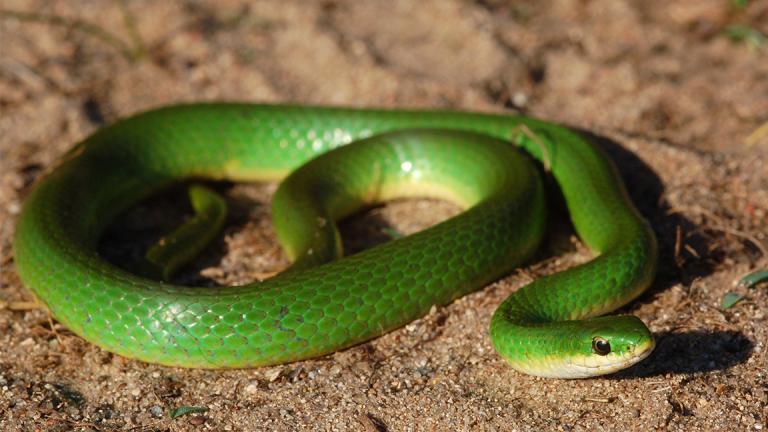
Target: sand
{"x":673,"y":99}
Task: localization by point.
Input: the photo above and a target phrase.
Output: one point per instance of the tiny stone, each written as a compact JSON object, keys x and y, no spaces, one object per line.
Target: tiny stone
{"x":252,"y":387}
{"x":273,"y":374}
{"x":156,"y":411}
{"x":196,"y":421}
{"x":335,"y":370}
{"x":519,"y":99}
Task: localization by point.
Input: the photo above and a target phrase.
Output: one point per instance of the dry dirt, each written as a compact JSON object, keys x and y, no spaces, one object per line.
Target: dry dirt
{"x":675,"y":101}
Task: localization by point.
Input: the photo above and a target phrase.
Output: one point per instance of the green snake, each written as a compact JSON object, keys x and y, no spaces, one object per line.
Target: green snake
{"x":325,"y":302}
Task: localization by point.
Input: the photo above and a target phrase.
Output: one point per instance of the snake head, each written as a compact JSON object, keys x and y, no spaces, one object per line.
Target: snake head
{"x":609,"y":344}
{"x":576,"y":349}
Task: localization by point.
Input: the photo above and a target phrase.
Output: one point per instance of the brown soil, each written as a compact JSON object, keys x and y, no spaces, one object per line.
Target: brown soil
{"x":674,"y":100}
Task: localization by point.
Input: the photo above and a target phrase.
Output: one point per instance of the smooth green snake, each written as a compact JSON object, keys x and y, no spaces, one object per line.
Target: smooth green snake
{"x":325,"y":302}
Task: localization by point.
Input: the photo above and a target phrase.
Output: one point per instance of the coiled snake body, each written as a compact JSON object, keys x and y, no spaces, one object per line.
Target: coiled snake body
{"x":323,"y":304}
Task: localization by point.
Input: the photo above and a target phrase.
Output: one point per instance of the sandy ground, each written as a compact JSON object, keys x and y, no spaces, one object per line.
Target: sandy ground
{"x":673,"y":99}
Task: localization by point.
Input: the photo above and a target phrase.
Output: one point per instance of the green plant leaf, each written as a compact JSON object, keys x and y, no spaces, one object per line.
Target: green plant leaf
{"x":184,"y":410}
{"x":730,"y":299}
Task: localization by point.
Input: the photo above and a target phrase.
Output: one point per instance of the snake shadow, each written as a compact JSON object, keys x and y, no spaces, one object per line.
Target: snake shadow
{"x":691,"y":352}
{"x":127,"y":239}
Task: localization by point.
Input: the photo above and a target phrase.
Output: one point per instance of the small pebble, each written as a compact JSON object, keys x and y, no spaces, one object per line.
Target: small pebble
{"x":519,"y":99}
{"x":273,"y":374}
{"x":252,"y":387}
{"x":156,"y":411}
{"x":197,"y":421}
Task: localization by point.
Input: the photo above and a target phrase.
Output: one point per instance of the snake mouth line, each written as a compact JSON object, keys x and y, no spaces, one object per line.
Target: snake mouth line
{"x":587,"y":366}
{"x":644,"y":351}
{"x":635,"y":355}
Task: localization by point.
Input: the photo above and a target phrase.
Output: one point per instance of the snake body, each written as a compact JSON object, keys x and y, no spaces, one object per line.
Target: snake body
{"x":324,"y":303}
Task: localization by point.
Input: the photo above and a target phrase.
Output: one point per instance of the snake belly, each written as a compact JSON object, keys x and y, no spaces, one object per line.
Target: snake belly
{"x":324,"y":303}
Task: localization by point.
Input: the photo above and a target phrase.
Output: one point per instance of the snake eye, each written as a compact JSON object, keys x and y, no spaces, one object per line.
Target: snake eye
{"x":601,"y":346}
